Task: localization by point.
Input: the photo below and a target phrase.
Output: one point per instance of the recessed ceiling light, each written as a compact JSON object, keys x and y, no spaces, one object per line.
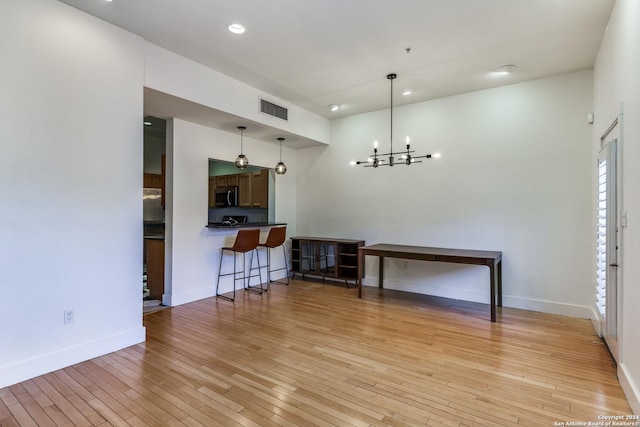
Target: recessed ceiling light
{"x":407,"y":91}
{"x":506,"y":69}
{"x":334,"y":107}
{"x":237,"y":28}
{"x":146,"y":123}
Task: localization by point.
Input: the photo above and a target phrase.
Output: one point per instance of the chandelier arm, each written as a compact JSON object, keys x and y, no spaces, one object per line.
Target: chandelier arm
{"x":405,"y":157}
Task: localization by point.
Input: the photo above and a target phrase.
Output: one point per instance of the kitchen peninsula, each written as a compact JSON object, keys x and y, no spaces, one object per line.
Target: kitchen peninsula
{"x":219,"y":225}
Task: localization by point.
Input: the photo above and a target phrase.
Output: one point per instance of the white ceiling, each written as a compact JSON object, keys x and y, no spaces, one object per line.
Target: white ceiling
{"x":316,"y":53}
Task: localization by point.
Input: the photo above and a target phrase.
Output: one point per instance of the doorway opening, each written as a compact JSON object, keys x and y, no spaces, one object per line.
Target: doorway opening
{"x":153,"y":197}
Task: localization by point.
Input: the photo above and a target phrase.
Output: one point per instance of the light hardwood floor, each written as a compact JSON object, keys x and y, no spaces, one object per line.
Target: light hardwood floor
{"x":314,"y":354}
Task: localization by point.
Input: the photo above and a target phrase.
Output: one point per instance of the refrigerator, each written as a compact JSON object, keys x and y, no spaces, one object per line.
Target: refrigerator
{"x":152,"y":205}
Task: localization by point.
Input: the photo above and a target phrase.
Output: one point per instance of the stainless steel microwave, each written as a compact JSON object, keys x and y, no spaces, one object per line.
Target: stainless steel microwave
{"x":226,"y":196}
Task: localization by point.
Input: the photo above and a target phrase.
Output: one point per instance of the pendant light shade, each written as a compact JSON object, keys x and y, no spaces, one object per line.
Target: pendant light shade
{"x":241,"y":161}
{"x":281,"y":168}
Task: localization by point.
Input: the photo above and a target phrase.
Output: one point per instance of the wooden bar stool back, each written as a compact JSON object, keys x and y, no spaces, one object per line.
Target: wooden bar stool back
{"x":276,"y":237}
{"x":246,"y":241}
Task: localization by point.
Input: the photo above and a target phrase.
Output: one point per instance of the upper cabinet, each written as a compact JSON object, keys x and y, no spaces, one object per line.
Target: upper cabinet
{"x":253,"y":188}
{"x":260,"y":189}
{"x":212,"y":191}
{"x":223,"y":181}
{"x":244,"y":187}
{"x":152,"y":180}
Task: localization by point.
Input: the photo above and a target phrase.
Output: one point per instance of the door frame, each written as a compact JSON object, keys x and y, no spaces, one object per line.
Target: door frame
{"x":611,"y":147}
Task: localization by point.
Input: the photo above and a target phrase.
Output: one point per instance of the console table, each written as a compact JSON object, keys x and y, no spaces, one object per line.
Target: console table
{"x":325,"y":257}
{"x":492,"y":259}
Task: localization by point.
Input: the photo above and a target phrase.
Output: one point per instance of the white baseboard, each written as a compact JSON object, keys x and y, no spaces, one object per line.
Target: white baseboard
{"x":542,"y":306}
{"x":571,"y":310}
{"x":40,"y":365}
{"x":631,"y":390}
{"x":172,"y":300}
{"x":595,"y":321}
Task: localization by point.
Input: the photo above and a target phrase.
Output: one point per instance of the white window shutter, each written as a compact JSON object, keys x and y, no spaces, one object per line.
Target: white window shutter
{"x":601,"y":251}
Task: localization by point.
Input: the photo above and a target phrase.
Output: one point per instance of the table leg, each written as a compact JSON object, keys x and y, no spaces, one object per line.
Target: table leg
{"x":500,"y":283}
{"x":381,"y":273}
{"x":360,"y":272}
{"x":492,"y":283}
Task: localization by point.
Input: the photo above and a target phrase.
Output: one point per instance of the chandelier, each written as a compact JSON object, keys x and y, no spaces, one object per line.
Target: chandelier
{"x":388,"y":159}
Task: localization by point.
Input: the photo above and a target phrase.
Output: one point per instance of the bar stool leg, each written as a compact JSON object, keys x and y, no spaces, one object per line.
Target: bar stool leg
{"x":269,"y":270}
{"x":268,"y":267}
{"x":286,"y":265}
{"x":259,"y":270}
{"x":248,"y":286}
{"x":234,"y":278}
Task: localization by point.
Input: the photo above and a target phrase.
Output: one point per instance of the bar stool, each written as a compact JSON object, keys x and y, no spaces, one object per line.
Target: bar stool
{"x":276,"y":237}
{"x":246,"y":241}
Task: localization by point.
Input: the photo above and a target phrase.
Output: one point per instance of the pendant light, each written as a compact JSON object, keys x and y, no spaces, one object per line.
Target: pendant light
{"x":374,"y":160}
{"x":281,"y":168}
{"x":242,"y":161}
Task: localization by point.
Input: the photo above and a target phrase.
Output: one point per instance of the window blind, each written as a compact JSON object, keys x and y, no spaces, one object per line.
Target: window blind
{"x":601,"y":247}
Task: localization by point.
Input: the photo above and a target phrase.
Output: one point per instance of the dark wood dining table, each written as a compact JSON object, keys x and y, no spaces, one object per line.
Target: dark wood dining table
{"x":491,"y":259}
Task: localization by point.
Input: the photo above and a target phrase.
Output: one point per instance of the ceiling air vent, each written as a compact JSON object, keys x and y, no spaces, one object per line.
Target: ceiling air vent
{"x":274,"y":110}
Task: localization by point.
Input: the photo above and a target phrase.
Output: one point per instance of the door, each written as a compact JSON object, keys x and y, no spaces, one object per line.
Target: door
{"x":608,"y":244}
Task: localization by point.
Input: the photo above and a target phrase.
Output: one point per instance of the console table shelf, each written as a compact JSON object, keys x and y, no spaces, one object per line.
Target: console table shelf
{"x":325,"y":257}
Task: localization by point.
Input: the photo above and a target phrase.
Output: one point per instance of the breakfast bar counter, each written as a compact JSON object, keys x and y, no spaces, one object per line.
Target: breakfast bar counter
{"x":220,"y":225}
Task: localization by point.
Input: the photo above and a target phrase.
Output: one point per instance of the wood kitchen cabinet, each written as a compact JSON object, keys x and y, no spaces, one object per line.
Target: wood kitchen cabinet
{"x":152,"y":180}
{"x":244,"y":189}
{"x":260,"y":189}
{"x":220,"y":181}
{"x":212,"y":191}
{"x":154,"y":248}
{"x":325,"y":257}
{"x":163,"y":177}
{"x":223,"y":181}
{"x":253,"y":188}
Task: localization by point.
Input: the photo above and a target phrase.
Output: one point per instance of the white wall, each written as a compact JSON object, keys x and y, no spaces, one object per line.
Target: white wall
{"x":70,"y":187}
{"x":186,"y":79}
{"x":616,"y":81}
{"x":514,"y":176}
{"x":154,"y":148}
{"x":194,"y":250}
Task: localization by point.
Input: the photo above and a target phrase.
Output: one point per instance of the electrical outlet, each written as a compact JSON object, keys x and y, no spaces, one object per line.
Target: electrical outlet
{"x":68,"y":316}
{"x":405,"y":264}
